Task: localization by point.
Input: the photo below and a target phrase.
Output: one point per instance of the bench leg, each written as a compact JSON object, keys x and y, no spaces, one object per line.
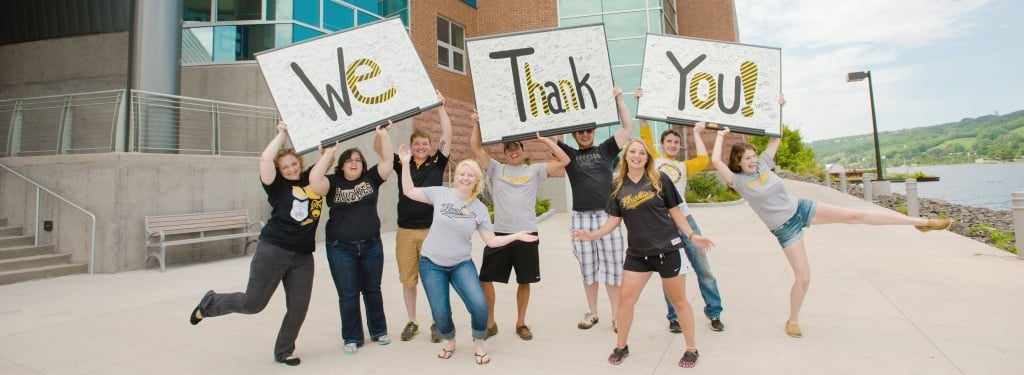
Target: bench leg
{"x":159,"y":258}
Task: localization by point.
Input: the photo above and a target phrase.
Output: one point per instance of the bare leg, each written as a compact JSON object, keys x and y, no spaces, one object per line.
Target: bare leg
{"x":613,"y":298}
{"x":522,"y":301}
{"x":409,"y":295}
{"x":675,"y":288}
{"x":797,"y":256}
{"x":825,"y":213}
{"x":632,"y":284}
{"x":488,"y":288}
{"x":591,"y":290}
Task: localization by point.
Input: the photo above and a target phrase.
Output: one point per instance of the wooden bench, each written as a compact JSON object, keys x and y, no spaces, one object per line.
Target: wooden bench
{"x":226,"y":224}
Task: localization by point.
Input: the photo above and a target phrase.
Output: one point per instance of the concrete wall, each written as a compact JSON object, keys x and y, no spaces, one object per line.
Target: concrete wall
{"x":65,"y":65}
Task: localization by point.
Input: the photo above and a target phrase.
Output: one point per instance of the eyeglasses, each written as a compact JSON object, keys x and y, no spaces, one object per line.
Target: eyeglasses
{"x":354,"y":160}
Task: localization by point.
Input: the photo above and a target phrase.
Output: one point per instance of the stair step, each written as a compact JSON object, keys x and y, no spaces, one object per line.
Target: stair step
{"x":10,"y":231}
{"x":10,"y":277}
{"x":26,"y":251}
{"x":34,"y":261}
{"x":9,"y":241}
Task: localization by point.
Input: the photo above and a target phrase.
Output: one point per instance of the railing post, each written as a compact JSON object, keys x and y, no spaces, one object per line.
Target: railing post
{"x":120,"y":122}
{"x":1017,"y":198}
{"x":866,"y":180}
{"x":913,"y":204}
{"x":828,"y":183}
{"x":214,"y":129}
{"x":14,"y":135}
{"x":842,"y":182}
{"x":64,"y":131}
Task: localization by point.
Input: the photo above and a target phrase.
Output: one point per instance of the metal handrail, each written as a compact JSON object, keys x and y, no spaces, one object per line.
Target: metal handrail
{"x":92,"y":245}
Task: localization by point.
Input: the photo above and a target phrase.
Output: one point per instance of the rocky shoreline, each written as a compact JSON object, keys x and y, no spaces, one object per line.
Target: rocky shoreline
{"x":964,"y":217}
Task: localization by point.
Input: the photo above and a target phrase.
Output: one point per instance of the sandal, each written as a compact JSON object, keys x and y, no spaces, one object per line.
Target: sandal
{"x":445,"y":353}
{"x":618,"y":355}
{"x":689,"y":359}
{"x":483,"y":359}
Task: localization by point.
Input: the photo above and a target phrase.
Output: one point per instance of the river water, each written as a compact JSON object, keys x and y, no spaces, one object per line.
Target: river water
{"x":978,"y":185}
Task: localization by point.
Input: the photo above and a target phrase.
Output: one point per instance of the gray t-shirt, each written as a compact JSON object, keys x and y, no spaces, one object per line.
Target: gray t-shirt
{"x":766,"y":194}
{"x":514,"y":189}
{"x":448,"y":241}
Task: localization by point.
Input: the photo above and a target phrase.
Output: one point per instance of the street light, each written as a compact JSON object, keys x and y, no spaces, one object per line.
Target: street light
{"x":857,"y":77}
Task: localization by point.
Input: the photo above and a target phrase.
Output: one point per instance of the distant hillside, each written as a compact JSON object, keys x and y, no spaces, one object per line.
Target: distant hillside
{"x":999,"y":137}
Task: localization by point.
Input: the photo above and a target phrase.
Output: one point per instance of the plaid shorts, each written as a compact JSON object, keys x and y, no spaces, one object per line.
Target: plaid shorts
{"x":602,"y":258}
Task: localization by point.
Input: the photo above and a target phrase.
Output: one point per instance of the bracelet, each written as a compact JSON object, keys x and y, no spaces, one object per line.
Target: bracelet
{"x":690,"y":236}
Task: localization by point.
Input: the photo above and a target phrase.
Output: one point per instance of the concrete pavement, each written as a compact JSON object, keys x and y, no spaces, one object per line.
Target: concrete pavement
{"x":884,"y":300}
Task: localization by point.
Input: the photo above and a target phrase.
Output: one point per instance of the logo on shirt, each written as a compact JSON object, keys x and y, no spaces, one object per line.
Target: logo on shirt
{"x":673,"y":172}
{"x":355,"y":194}
{"x":630,"y":202}
{"x":449,"y":210}
{"x":306,"y":206}
{"x":516,"y":180}
{"x":761,"y":180}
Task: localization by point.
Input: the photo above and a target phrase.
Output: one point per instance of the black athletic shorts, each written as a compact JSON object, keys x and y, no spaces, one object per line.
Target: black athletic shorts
{"x":668,"y":265}
{"x":523,"y":256}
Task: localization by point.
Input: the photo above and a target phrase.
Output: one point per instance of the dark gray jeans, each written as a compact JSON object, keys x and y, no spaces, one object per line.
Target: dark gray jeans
{"x":270,"y":265}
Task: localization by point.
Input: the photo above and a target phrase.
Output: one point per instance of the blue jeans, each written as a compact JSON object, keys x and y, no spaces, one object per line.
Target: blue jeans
{"x":356,"y":269}
{"x":464,"y":279}
{"x":705,"y":279}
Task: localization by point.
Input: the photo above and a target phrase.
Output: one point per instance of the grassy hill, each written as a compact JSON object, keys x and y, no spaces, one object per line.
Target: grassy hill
{"x":999,"y":137}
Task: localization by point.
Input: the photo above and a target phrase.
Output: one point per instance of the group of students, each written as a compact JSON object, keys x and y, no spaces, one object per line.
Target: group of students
{"x":435,"y":225}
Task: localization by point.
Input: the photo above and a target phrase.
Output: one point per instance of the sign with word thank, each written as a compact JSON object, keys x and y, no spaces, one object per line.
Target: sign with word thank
{"x":341,"y":85}
{"x":687,"y":80}
{"x":551,"y":81}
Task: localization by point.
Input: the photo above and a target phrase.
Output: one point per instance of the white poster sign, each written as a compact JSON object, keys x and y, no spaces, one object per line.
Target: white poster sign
{"x":688,"y":80}
{"x":341,"y":85}
{"x":550,"y":81}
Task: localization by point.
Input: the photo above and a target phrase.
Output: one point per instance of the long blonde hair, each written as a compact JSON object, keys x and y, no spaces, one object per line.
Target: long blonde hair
{"x":620,"y":172}
{"x":475,"y":168}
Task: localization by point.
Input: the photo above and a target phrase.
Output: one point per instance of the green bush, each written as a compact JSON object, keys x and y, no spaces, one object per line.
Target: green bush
{"x":704,"y":187}
{"x":1002,"y":240}
{"x":542,"y":206}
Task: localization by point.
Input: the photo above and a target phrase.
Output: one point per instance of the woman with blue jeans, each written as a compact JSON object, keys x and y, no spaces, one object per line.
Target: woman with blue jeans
{"x":354,"y":249}
{"x":446,"y":260}
{"x":787,"y":216}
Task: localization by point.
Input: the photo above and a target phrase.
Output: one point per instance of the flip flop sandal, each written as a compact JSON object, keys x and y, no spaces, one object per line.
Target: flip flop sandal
{"x":445,"y":353}
{"x":483,"y":359}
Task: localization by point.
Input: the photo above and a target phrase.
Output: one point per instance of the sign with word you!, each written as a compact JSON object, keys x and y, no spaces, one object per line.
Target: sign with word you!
{"x":341,"y":85}
{"x":550,"y":81}
{"x":688,"y":80}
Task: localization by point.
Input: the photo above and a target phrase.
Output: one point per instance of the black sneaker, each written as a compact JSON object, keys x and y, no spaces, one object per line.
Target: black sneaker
{"x":716,"y":325}
{"x":618,"y":355}
{"x":674,"y":327}
{"x":435,"y":335}
{"x":410,"y":331}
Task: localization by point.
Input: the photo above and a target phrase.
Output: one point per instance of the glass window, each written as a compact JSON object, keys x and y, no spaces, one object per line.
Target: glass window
{"x":225,"y":43}
{"x":300,"y":33}
{"x":569,"y":8}
{"x":626,"y":51}
{"x":655,"y":18}
{"x":624,"y":25}
{"x":365,"y":18}
{"x":617,"y":5}
{"x":451,"y":45}
{"x":574,"y":21}
{"x":367,"y":5}
{"x":400,"y":8}
{"x":237,"y":10}
{"x":337,"y":17}
{"x":308,"y":11}
{"x":627,"y":77}
{"x":196,"y":10}
{"x":197,"y":45}
{"x":471,"y":3}
{"x":279,"y":9}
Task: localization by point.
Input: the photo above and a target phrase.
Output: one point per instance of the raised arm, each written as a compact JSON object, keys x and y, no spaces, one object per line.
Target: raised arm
{"x":387,"y":158}
{"x":625,"y":118}
{"x":445,"y":145}
{"x":677,"y":216}
{"x":716,"y":158}
{"x":700,"y":161}
{"x":494,"y":241}
{"x":268,"y":170}
{"x":609,"y":225}
{"x":645,"y":128}
{"x":408,"y":188}
{"x":476,"y":144}
{"x":317,"y":176}
{"x":773,"y":144}
{"x":561,"y":158}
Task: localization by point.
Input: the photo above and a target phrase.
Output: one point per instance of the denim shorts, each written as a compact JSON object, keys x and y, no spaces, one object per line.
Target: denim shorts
{"x":794,"y":227}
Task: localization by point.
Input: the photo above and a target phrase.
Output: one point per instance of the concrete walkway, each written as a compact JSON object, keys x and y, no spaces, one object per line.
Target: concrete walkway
{"x":886,"y":300}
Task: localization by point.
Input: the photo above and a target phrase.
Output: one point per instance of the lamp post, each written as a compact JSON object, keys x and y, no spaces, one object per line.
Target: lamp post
{"x":860,"y":76}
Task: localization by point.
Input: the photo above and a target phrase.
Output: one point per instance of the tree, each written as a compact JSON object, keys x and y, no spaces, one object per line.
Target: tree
{"x":792,"y":155}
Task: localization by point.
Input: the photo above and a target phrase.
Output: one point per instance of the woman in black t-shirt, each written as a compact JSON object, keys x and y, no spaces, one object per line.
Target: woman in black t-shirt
{"x":284,"y":253}
{"x":354,"y":249}
{"x":648,"y":202}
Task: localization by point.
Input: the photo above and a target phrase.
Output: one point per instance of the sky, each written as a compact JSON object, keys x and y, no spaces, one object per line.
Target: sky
{"x":932,"y":61}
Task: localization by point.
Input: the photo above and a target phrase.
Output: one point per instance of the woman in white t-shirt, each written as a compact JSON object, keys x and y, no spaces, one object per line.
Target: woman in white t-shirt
{"x":446,"y":260}
{"x":786,"y":216}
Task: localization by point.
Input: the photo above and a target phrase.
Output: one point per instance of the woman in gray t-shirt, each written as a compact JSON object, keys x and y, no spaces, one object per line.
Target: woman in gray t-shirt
{"x":752,"y":177}
{"x":445,"y":259}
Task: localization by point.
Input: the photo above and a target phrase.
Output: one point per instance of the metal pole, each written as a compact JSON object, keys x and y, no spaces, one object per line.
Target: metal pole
{"x":1017,"y":198}
{"x":913,"y":204}
{"x":874,"y":128}
{"x":866,"y":180}
{"x":842,"y":182}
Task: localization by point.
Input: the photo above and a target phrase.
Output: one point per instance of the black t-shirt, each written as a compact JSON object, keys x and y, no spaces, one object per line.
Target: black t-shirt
{"x":645,"y":211}
{"x":354,"y":207}
{"x":413,"y":214}
{"x":295,"y":211}
{"x":590,"y":174}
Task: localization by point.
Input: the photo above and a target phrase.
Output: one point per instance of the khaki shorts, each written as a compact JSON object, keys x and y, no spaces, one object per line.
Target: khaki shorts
{"x":408,"y":244}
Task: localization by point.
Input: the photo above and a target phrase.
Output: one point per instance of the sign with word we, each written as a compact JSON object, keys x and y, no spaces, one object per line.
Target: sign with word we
{"x":550,"y":81}
{"x":341,"y":85}
{"x":688,"y":80}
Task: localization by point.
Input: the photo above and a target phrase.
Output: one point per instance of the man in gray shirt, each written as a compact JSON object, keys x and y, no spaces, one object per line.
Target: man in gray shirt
{"x":514,"y":193}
